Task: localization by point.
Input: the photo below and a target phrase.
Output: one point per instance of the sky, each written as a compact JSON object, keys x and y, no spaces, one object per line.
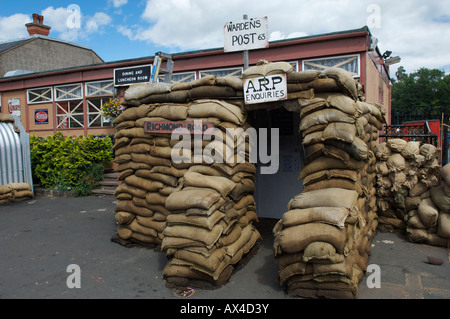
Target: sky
{"x":416,"y":30}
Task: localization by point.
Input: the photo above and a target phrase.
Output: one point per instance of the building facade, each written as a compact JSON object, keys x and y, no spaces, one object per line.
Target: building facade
{"x":69,"y":100}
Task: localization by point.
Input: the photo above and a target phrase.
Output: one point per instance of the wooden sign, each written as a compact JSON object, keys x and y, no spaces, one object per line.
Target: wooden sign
{"x":194,"y":127}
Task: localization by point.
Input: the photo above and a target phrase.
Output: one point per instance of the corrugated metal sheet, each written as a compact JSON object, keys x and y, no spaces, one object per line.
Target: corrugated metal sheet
{"x":15,"y":159}
{"x":11,"y":169}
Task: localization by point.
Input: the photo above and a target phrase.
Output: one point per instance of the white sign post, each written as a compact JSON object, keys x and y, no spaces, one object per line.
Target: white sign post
{"x":246,"y":35}
{"x":265,"y":89}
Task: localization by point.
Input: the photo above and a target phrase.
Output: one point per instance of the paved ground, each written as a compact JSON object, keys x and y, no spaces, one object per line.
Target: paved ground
{"x":40,"y":238}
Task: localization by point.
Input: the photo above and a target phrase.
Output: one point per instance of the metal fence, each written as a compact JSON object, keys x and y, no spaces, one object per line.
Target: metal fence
{"x":420,"y":114}
{"x":419,"y":133}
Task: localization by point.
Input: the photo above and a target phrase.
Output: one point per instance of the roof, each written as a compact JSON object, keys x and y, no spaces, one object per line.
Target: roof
{"x":364,"y":29}
{"x":7,"y":45}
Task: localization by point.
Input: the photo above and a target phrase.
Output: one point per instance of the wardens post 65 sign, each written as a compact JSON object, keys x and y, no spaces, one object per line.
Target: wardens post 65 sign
{"x":246,"y":35}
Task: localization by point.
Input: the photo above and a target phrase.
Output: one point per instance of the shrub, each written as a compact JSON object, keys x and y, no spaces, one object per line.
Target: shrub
{"x":69,"y":162}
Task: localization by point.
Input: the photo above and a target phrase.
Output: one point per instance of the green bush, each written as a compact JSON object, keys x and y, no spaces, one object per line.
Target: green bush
{"x":75,"y":163}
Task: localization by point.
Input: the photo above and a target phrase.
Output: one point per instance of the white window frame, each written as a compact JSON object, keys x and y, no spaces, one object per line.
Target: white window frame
{"x":186,"y":75}
{"x":204,"y":73}
{"x":337,"y":65}
{"x":50,"y":88}
{"x":294,"y":65}
{"x":98,"y":114}
{"x":69,"y":115}
{"x":70,"y":95}
{"x":103,"y":92}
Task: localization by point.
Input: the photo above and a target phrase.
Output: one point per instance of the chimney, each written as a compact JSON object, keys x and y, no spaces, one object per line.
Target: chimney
{"x":37,"y":26}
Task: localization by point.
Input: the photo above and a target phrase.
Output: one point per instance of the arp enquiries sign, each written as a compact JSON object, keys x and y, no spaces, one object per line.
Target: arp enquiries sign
{"x":246,"y":35}
{"x":265,"y":89}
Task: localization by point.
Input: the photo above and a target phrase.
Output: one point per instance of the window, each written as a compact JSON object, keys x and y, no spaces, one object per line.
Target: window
{"x":294,"y":65}
{"x":100,"y":88}
{"x":68,"y":92}
{"x":349,"y":63}
{"x":97,"y":94}
{"x":69,"y":114}
{"x":39,"y":95}
{"x":69,"y":106}
{"x":95,"y":114}
{"x":222,"y":72}
{"x":183,"y":77}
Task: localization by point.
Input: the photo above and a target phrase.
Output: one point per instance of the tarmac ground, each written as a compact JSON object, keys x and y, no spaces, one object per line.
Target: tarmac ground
{"x":41,"y":237}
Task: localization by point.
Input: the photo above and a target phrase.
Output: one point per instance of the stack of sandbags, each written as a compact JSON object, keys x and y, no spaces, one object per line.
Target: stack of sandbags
{"x":209,"y":87}
{"x":209,"y":232}
{"x":15,"y":192}
{"x":430,"y":223}
{"x":145,"y":167}
{"x":146,"y":174}
{"x":198,"y":190}
{"x":406,"y":171}
{"x":322,"y":243}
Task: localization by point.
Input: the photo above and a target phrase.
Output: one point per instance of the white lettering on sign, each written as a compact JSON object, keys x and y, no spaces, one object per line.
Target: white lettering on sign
{"x":265,"y":89}
{"x":132,"y":75}
{"x":246,"y":35}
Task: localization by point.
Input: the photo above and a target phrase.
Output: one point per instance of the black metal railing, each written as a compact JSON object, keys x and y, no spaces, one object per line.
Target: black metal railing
{"x":419,"y":133}
{"x":420,"y":114}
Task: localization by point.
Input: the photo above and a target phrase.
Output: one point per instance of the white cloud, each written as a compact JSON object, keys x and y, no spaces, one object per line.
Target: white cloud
{"x":94,"y":23}
{"x":417,"y":33}
{"x":278,"y":35}
{"x":118,"y":3}
{"x":63,"y":21}
{"x":415,"y":30}
{"x":13,"y":27}
{"x":59,"y":19}
{"x":197,"y":24}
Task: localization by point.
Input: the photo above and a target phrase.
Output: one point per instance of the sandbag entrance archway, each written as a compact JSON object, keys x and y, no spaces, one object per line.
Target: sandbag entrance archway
{"x":205,"y":231}
{"x":284,"y":184}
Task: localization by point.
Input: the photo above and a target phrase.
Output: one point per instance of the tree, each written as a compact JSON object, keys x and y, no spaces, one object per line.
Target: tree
{"x":426,"y":90}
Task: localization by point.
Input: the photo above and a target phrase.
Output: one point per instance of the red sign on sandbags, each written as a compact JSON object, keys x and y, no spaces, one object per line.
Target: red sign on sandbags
{"x":194,"y":127}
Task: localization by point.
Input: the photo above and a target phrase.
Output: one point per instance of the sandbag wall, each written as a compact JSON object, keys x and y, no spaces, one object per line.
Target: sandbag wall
{"x":411,"y":197}
{"x":146,"y":177}
{"x":322,"y":243}
{"x":406,"y":171}
{"x":438,"y":233}
{"x":199,"y":211}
